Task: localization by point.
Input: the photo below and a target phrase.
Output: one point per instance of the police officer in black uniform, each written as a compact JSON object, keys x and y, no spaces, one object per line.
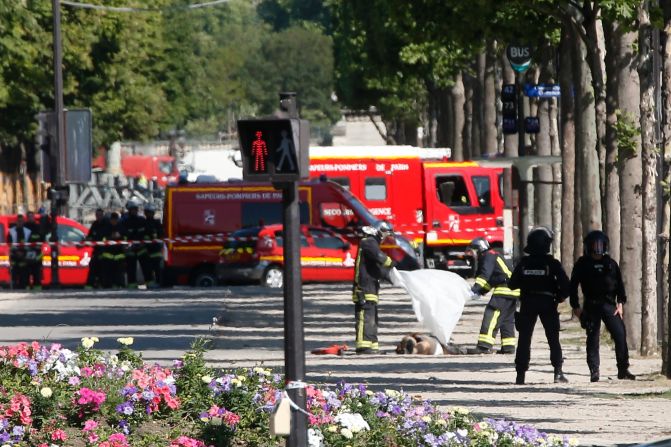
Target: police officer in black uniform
{"x":493,"y":275}
{"x":543,"y":284}
{"x":372,"y":264}
{"x":604,"y":296}
{"x":133,"y":228}
{"x":96,"y":233}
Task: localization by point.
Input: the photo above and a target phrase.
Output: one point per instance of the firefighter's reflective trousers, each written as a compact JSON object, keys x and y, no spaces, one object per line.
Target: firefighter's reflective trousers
{"x":499,"y":314}
{"x":366,"y":325}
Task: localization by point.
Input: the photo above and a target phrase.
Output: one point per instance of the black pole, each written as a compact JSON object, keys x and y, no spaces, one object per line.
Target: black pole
{"x":59,"y":140}
{"x":294,"y":351}
{"x":521,"y":149}
{"x":294,"y":348}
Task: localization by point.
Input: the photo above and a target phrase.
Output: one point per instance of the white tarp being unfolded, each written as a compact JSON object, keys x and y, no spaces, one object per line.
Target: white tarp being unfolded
{"x":438,"y":298}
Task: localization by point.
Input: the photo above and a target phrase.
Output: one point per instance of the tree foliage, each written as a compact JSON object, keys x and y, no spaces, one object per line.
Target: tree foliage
{"x":146,"y":73}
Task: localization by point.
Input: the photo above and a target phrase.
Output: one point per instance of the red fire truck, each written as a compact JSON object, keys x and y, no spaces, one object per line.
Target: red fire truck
{"x":198,"y":217}
{"x":440,"y":205}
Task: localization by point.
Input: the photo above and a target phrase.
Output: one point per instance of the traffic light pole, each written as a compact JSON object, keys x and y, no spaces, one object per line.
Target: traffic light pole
{"x":59,"y":159}
{"x":294,"y":349}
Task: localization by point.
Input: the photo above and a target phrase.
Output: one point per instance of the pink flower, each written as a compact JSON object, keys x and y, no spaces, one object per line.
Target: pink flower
{"x":93,"y":438}
{"x":90,"y":424}
{"x":59,"y":435}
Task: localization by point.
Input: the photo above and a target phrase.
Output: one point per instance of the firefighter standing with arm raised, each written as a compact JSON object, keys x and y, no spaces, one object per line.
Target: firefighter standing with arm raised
{"x":603,"y":290}
{"x":372,"y":264}
{"x":492,"y":275}
{"x":543,"y":284}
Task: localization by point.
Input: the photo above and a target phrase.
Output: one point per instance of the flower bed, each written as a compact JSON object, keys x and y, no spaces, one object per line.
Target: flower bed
{"x":51,"y":396}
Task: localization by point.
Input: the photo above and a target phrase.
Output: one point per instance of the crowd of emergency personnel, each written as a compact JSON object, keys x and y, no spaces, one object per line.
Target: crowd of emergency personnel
{"x":538,"y":284}
{"x":122,"y":241}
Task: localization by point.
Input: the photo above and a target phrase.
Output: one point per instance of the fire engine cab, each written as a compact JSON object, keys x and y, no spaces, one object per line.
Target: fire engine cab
{"x":438,"y":204}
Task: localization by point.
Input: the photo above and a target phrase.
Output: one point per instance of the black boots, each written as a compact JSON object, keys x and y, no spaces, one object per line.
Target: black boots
{"x":624,"y":374}
{"x":559,"y":376}
{"x":594,"y":375}
{"x":479,"y":350}
{"x":519,"y":380}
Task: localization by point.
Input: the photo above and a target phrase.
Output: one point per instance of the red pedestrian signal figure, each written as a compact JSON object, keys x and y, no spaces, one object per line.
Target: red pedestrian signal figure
{"x":259,"y":152}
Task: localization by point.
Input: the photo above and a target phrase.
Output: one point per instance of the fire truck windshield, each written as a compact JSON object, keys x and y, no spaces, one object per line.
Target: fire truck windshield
{"x":361,"y":210}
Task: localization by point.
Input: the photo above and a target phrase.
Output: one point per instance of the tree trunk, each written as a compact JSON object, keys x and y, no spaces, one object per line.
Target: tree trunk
{"x":490,"y":145}
{"x":612,"y":197}
{"x":649,"y":161}
{"x":509,"y":140}
{"x":567,"y":48}
{"x":666,"y":219}
{"x":594,"y":33}
{"x":586,"y":140}
{"x":468,"y":116}
{"x":478,"y":82}
{"x":630,"y":185}
{"x":458,"y":100}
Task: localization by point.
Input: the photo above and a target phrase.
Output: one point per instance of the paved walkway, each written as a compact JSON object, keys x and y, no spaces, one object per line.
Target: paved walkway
{"x":164,"y":323}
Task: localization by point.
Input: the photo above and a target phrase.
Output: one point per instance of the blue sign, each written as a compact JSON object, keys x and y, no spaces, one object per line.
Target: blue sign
{"x":542,"y":90}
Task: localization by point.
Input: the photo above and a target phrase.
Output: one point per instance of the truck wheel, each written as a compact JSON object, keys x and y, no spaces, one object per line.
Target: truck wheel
{"x":205,"y":278}
{"x":273,"y":277}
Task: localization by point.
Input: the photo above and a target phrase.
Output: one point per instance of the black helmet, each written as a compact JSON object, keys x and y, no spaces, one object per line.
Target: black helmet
{"x":539,"y":241}
{"x":479,"y":245}
{"x":596,"y":243}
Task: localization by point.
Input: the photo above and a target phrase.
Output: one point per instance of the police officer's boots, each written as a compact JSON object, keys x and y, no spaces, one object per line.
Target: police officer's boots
{"x":559,"y":376}
{"x":593,"y":375}
{"x":519,"y":380}
{"x":624,"y":374}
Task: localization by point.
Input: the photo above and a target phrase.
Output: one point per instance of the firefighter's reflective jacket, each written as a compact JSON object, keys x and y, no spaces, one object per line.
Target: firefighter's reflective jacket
{"x":493,"y":275}
{"x":372,"y":264}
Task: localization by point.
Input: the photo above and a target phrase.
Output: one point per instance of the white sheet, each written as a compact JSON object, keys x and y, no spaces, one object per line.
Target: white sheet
{"x":438,"y":298}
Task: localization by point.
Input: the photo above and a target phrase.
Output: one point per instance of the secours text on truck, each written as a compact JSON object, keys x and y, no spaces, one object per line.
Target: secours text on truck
{"x":438,"y":204}
{"x":199,"y":216}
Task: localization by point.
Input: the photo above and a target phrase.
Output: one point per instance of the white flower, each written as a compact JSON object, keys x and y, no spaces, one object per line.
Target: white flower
{"x":88,"y":342}
{"x":126,"y":341}
{"x":206,"y":379}
{"x":332,"y":428}
{"x":315,"y":438}
{"x":392,"y":393}
{"x":46,"y":392}
{"x":347,"y":433}
{"x":460,"y":410}
{"x":462,"y":432}
{"x":441,"y":422}
{"x":236,"y":382}
{"x":126,"y":366}
{"x":352,"y":421}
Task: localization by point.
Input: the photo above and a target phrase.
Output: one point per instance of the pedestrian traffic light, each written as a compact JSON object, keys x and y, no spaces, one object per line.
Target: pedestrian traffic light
{"x":274,"y":149}
{"x":509,"y":108}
